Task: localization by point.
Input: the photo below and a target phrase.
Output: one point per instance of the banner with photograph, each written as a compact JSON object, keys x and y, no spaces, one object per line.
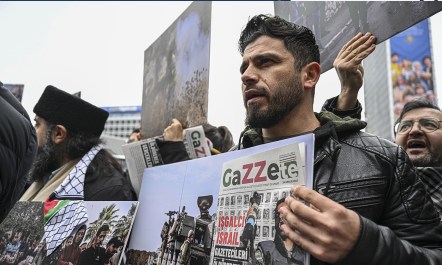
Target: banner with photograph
{"x":182,"y":200}
{"x":21,"y":234}
{"x":176,"y":73}
{"x":251,"y":191}
{"x":412,"y":66}
{"x":67,"y":232}
{"x":334,"y":23}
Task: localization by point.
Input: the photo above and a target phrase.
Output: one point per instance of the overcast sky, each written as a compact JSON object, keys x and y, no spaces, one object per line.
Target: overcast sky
{"x":98,"y":48}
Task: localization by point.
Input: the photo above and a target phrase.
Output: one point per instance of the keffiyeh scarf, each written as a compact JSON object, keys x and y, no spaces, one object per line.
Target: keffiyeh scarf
{"x":61,"y":218}
{"x":72,"y":188}
{"x":432,"y":179}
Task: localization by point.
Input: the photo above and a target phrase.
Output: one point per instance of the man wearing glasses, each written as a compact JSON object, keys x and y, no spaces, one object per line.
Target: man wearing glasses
{"x":417,"y":130}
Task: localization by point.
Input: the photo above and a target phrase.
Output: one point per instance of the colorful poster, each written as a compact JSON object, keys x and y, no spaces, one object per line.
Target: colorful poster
{"x":412,"y":67}
{"x":176,"y":73}
{"x":179,"y":198}
{"x":66,"y":232}
{"x":252,"y":190}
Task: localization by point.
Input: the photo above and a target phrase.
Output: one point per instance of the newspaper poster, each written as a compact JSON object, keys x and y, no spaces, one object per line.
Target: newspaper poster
{"x":251,"y":190}
{"x":183,"y":197}
{"x":145,"y":153}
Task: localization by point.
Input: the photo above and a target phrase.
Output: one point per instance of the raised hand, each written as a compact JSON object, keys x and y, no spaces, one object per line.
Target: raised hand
{"x":348,"y":65}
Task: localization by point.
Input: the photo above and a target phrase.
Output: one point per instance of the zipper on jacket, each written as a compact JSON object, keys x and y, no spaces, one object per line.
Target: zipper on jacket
{"x":348,"y":185}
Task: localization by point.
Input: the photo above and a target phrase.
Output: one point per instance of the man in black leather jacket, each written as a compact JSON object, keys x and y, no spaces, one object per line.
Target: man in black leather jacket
{"x":18,"y":147}
{"x":368,"y":205}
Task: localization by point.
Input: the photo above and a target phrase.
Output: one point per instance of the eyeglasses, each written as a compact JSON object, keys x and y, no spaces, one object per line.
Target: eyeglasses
{"x":426,"y":125}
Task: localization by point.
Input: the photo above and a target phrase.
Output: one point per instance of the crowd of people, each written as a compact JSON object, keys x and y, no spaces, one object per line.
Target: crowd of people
{"x":17,"y":247}
{"x":411,"y":80}
{"x":372,"y":202}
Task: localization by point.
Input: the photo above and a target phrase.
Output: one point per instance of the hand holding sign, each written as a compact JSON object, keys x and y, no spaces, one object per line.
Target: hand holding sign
{"x":327,"y":231}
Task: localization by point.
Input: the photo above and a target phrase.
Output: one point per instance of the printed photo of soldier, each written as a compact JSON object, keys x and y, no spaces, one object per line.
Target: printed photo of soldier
{"x":248,"y":235}
{"x":232,"y":213}
{"x":262,"y":197}
{"x":232,"y":200}
{"x":221,"y":201}
{"x":227,"y":201}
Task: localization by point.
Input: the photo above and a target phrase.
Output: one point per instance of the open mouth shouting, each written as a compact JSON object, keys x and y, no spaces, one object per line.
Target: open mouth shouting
{"x":415,"y":146}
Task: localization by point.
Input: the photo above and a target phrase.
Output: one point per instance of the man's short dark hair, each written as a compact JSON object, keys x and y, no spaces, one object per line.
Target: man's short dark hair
{"x":416,"y":104}
{"x":103,"y":228}
{"x":299,"y":40}
{"x":77,"y":144}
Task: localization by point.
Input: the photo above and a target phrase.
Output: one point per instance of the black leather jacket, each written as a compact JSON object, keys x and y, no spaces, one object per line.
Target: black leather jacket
{"x":431,"y":176}
{"x":375,"y":178}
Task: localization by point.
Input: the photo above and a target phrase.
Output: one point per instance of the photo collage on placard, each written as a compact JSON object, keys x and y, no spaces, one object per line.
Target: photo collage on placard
{"x":238,"y":205}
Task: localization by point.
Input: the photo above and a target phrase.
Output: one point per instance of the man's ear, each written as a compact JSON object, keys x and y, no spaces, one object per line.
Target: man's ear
{"x":59,"y":134}
{"x":311,"y":73}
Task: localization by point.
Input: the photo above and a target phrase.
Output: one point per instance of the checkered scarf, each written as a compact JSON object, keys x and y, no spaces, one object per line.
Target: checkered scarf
{"x":72,"y":188}
{"x":432,"y":179}
{"x":61,"y":218}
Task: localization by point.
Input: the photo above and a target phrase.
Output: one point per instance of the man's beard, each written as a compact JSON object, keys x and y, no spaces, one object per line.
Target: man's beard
{"x":45,"y":162}
{"x":286,"y":96}
{"x":428,"y":160}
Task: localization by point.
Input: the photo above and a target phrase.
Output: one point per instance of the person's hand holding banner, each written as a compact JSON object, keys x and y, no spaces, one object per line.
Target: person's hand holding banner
{"x":327,"y":230}
{"x":174,"y":132}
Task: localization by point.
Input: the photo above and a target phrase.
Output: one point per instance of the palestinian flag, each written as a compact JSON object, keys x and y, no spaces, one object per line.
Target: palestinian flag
{"x":61,"y":218}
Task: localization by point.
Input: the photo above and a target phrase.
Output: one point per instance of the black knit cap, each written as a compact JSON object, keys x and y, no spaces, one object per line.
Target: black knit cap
{"x":59,"y":107}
